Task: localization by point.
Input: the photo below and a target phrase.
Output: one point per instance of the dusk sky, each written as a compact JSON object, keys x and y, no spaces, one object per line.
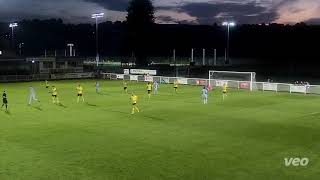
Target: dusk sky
{"x":168,"y":11}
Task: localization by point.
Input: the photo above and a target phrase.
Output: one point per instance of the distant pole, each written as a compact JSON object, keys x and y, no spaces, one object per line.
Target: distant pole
{"x":20,"y":48}
{"x":96,"y":17}
{"x":192,"y":60}
{"x":12,"y":26}
{"x":215,"y":57}
{"x":203,"y":57}
{"x":97,"y":43}
{"x":228,"y":45}
{"x":45,"y":53}
{"x":70,"y":49}
{"x":228,"y":25}
{"x":175,"y":62}
{"x":225,"y":55}
{"x":132,"y":58}
{"x":55,"y":53}
{"x":12,"y":38}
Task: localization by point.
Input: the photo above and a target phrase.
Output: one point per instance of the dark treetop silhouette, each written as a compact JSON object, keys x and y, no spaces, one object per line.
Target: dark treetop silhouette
{"x":140,"y":21}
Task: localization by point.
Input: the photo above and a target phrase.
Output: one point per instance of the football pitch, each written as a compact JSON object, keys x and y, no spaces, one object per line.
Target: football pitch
{"x":247,"y":136}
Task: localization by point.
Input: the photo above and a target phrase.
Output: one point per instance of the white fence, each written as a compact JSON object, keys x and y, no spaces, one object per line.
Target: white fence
{"x":41,"y":77}
{"x":19,"y":78}
{"x":261,"y":86}
{"x":73,"y":76}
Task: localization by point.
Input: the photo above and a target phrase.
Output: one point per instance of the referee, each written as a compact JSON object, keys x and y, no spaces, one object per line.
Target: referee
{"x":4,"y":100}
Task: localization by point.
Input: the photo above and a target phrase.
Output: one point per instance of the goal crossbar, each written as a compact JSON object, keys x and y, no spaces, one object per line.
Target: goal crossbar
{"x":251,"y":74}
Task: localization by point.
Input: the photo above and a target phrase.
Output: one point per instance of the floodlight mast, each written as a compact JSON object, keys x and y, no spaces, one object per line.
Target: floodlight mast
{"x":70,"y":49}
{"x":96,"y":16}
{"x":12,"y":26}
{"x":228,"y":25}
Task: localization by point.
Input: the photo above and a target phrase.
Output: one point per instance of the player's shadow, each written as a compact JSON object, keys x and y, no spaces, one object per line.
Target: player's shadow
{"x":121,"y":112}
{"x":92,"y":105}
{"x":37,"y":108}
{"x":7,"y":112}
{"x":62,"y":105}
{"x":154,"y":118}
{"x":103,"y":94}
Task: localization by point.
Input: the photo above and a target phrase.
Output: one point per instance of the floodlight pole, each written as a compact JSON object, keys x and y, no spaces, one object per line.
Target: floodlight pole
{"x":97,"y":43}
{"x":70,"y":49}
{"x":20,"y":48}
{"x":228,"y":24}
{"x":228,"y":43}
{"x":215,"y":57}
{"x":12,"y":26}
{"x":175,"y":62}
{"x":12,"y":39}
{"x":203,"y":57}
{"x":192,"y":60}
{"x":96,"y":17}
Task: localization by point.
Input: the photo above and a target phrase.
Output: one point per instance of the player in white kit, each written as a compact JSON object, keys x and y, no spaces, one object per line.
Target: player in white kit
{"x":205,"y":95}
{"x":32,"y":95}
{"x":98,"y":88}
{"x":155,"y":87}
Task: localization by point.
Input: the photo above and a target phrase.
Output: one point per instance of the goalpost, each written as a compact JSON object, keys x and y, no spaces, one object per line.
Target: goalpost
{"x":234,"y":79}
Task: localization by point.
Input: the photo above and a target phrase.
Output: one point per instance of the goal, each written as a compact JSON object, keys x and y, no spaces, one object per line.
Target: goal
{"x":234,"y":79}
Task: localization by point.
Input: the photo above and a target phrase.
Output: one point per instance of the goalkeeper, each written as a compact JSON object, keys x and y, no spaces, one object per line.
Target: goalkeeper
{"x":4,"y":100}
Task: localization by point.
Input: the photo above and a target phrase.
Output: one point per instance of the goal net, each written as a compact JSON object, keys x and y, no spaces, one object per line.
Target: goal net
{"x":234,"y":79}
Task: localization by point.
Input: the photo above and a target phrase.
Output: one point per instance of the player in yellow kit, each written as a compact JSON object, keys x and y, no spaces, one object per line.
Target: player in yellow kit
{"x":125,"y":87}
{"x":175,"y":86}
{"x":224,"y":91}
{"x":80,"y":93}
{"x":149,"y":89}
{"x":134,"y":100}
{"x":47,"y":84}
{"x":55,"y":98}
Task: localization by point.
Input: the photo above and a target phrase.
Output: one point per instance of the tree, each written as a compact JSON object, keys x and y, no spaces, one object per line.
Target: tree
{"x":140,"y":20}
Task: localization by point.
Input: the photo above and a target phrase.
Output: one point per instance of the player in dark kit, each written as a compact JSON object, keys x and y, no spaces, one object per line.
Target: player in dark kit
{"x":4,"y":100}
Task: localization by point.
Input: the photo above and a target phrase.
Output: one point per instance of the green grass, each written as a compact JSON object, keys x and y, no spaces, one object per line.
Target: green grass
{"x":245,"y":137}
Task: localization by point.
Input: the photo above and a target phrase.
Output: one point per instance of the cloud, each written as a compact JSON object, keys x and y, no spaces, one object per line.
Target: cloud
{"x":167,"y":11}
{"x":174,"y":17}
{"x":115,"y":5}
{"x":239,"y":12}
{"x":72,"y":11}
{"x":313,"y":21}
{"x":298,"y":11}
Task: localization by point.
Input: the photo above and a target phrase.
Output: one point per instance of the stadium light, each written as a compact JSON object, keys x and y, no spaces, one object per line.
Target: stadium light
{"x":96,"y":16}
{"x":12,"y":26}
{"x":232,"y":24}
{"x":228,"y":25}
{"x":70,"y":45}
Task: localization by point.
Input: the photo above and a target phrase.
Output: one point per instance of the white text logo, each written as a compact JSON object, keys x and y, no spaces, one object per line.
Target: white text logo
{"x":296,"y":161}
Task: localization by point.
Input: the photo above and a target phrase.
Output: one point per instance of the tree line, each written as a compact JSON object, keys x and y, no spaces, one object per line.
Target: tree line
{"x":140,"y":37}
